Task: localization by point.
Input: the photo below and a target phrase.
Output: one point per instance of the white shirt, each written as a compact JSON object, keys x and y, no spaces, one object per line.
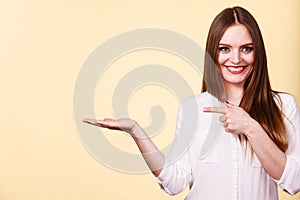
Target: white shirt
{"x":226,"y":172}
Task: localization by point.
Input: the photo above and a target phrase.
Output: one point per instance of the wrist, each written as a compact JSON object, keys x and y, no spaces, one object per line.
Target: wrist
{"x":137,"y":132}
{"x":253,"y":129}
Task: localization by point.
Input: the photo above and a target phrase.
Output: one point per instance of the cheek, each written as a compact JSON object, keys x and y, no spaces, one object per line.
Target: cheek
{"x":222,"y":58}
{"x":249,"y":58}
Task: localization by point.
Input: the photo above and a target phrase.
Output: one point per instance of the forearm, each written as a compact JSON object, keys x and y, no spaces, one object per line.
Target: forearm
{"x":152,"y":155}
{"x":271,"y":157}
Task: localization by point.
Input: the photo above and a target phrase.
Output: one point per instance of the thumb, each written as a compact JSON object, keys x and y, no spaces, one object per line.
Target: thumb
{"x":230,"y":105}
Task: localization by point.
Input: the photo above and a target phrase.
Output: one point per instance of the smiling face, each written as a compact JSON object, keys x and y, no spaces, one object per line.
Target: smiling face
{"x":235,"y":55}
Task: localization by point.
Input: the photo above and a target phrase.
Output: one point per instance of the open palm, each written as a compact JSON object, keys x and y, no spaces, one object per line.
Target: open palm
{"x":123,"y":124}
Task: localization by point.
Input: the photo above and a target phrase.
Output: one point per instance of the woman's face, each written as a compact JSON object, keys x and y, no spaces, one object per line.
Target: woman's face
{"x":235,"y":55}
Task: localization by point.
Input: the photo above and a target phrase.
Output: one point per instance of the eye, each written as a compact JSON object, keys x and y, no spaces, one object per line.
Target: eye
{"x":247,"y":49}
{"x":224,"y":49}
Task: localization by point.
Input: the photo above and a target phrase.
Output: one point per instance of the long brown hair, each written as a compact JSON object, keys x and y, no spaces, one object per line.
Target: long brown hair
{"x":259,"y":100}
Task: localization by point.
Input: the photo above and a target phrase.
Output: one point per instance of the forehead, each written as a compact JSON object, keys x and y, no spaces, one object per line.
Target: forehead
{"x":236,"y":34}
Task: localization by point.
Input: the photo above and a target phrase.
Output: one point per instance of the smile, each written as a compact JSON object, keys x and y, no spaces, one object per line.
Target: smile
{"x":235,"y":69}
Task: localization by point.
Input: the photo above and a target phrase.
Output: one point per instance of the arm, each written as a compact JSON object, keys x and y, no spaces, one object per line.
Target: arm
{"x":290,"y":179}
{"x":153,"y":157}
{"x":271,"y":157}
{"x":173,"y":173}
{"x":238,"y":121}
{"x":284,"y":168}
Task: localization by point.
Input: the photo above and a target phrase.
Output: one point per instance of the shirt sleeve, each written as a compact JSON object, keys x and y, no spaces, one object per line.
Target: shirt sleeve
{"x":290,"y":179}
{"x":176,"y":174}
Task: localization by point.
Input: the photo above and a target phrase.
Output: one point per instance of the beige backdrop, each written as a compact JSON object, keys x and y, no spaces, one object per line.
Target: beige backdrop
{"x":42,"y":47}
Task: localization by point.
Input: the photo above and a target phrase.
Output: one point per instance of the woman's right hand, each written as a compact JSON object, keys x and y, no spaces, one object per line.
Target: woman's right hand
{"x":152,"y":155}
{"x":123,"y":124}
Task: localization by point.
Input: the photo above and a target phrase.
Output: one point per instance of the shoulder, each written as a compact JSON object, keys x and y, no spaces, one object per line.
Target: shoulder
{"x":287,"y":101}
{"x":286,"y":97}
{"x":193,"y":106}
{"x":201,"y":99}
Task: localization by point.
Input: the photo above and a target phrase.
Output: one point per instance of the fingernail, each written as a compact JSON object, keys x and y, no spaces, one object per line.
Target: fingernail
{"x":204,"y":109}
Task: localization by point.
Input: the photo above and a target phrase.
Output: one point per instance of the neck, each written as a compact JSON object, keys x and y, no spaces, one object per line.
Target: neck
{"x":234,"y":93}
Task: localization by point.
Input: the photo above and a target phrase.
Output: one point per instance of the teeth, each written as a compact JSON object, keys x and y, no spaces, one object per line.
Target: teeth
{"x":235,"y":69}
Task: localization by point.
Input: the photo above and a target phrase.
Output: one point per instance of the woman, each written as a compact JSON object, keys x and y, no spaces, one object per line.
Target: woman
{"x":258,"y":147}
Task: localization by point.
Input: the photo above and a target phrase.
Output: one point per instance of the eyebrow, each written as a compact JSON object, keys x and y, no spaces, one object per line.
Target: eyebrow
{"x":246,"y":44}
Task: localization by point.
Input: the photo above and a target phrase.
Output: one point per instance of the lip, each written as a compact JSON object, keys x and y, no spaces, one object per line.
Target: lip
{"x":236,"y":69}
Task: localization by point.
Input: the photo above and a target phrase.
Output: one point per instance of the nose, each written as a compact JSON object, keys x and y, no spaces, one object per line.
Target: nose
{"x":235,"y":57}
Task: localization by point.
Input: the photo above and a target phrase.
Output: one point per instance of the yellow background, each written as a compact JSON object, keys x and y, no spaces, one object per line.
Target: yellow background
{"x":42,"y":46}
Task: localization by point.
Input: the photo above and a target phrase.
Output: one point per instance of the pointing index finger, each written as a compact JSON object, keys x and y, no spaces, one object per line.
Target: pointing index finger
{"x":220,"y":110}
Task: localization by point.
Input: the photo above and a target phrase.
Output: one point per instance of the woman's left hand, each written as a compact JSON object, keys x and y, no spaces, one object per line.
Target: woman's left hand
{"x":235,"y":119}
